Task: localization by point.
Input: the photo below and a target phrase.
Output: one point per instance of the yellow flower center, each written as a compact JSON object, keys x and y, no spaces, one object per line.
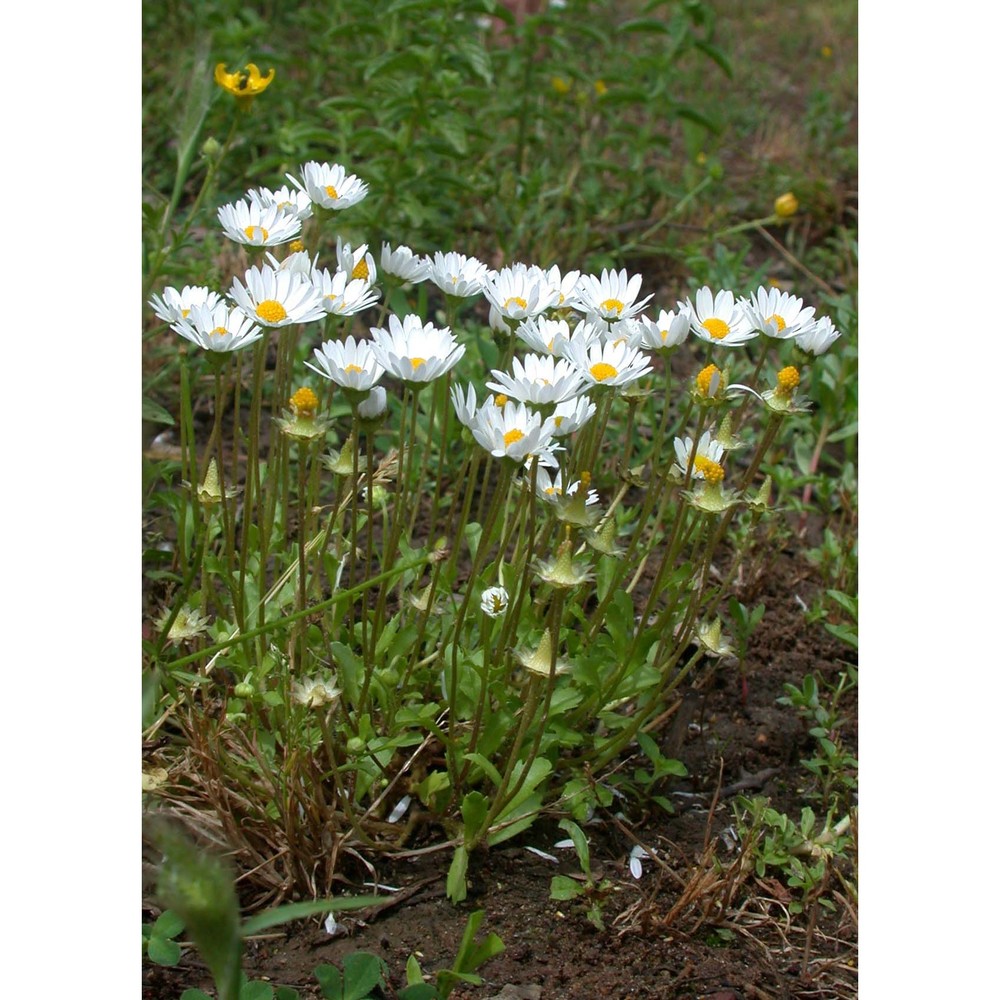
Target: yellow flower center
{"x":517,"y":300}
{"x":602,"y":370}
{"x":500,"y":400}
{"x":778,"y":321}
{"x":788,"y":379}
{"x":552,"y":490}
{"x":271,"y":312}
{"x":219,"y":331}
{"x":252,"y":233}
{"x":703,"y":380}
{"x":353,"y":368}
{"x":184,"y":313}
{"x":558,"y":421}
{"x":360,"y":270}
{"x":716,"y":327}
{"x":417,"y":362}
{"x":331,"y":191}
{"x":712,"y":471}
{"x":585,"y":480}
{"x":296,"y":246}
{"x":304,"y":402}
{"x":613,"y":305}
{"x":512,"y":436}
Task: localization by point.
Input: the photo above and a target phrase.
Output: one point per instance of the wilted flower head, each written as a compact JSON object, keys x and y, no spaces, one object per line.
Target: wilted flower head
{"x":711,"y":639}
{"x":356,"y":264}
{"x":188,"y":624}
{"x":564,"y":570}
{"x":539,"y":660}
{"x":313,"y":692}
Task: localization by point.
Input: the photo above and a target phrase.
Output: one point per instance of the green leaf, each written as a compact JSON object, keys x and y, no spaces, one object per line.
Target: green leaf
{"x":414,"y":974}
{"x":152,"y":411}
{"x":475,"y":806}
{"x":362,"y":973}
{"x":456,"y":885}
{"x":296,"y":911}
{"x":563,"y":887}
{"x":163,"y":951}
{"x":286,"y":993}
{"x":716,"y":55}
{"x":168,"y":924}
{"x":257,"y":990}
{"x":418,"y":991}
{"x":488,"y":769}
{"x":331,"y":983}
{"x":195,"y":995}
{"x":579,"y":839}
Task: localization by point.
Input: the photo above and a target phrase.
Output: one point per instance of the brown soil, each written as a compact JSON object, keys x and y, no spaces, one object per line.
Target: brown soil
{"x":679,"y":931}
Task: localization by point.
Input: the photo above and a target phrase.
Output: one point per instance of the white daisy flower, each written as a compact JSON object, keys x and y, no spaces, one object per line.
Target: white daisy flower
{"x":669,"y":329}
{"x":277,"y":298}
{"x":519,"y":292}
{"x":465,"y":404}
{"x":777,"y":314}
{"x":330,"y":186}
{"x":718,"y":319}
{"x":404,"y":264}
{"x":542,"y":334}
{"x":549,"y":487}
{"x":291,"y":200}
{"x":299,"y":263}
{"x":358,"y":264}
{"x":818,"y":338}
{"x":415,"y":352}
{"x":565,"y":285}
{"x":708,"y":450}
{"x":609,"y":364}
{"x":218,"y":328}
{"x":512,"y":431}
{"x":583,"y":336}
{"x":174,"y":305}
{"x":571,"y":415}
{"x":247,"y":223}
{"x":539,"y":379}
{"x":612,"y":296}
{"x":494,"y":601}
{"x":342,"y":295}
{"x":458,"y":275}
{"x":314,"y":692}
{"x":374,"y":405}
{"x":350,"y":363}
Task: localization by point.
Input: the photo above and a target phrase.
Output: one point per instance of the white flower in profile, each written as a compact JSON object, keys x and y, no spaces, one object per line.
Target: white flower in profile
{"x":174,"y":305}
{"x":512,"y":431}
{"x":277,"y":298}
{"x":669,"y":329}
{"x":818,"y":338}
{"x":464,"y":403}
{"x":299,"y":263}
{"x":777,"y":314}
{"x":612,"y":296}
{"x":350,"y":363}
{"x":542,"y":334}
{"x":413,"y":351}
{"x":330,"y":186}
{"x":372,"y":407}
{"x":549,"y":487}
{"x":566,"y":287}
{"x":708,"y":451}
{"x":357,"y":264}
{"x":519,"y":292}
{"x":342,"y":295}
{"x":719,"y":319}
{"x":571,"y":415}
{"x":614,"y":363}
{"x":494,"y":601}
{"x":585,"y":334}
{"x":404,"y":264}
{"x":291,"y":200}
{"x":218,"y":328}
{"x":539,"y":380}
{"x":458,"y":275}
{"x":247,"y":223}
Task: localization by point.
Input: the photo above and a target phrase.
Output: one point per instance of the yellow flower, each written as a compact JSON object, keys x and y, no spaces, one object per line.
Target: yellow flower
{"x":600,"y":88}
{"x":244,"y":84}
{"x":560,"y":85}
{"x":786,"y":205}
